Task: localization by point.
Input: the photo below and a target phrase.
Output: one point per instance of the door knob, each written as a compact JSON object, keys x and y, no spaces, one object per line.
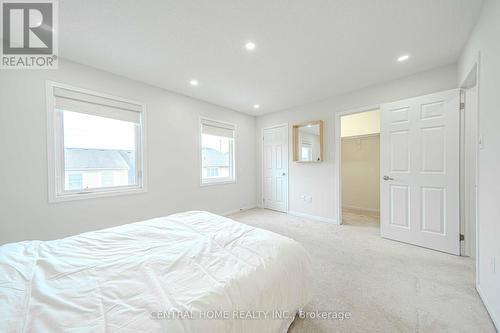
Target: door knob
{"x":388,"y":178}
{"x":283,"y":174}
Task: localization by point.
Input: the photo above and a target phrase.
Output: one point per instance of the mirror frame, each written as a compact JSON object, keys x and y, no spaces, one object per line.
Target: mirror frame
{"x":295,"y":132}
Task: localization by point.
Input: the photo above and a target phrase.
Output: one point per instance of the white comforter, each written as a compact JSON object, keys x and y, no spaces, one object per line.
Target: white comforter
{"x":188,"y":272}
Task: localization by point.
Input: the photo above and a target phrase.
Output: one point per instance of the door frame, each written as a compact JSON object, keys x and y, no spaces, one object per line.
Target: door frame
{"x":338,"y":153}
{"x":286,"y":125}
{"x":467,"y":189}
{"x":472,"y":79}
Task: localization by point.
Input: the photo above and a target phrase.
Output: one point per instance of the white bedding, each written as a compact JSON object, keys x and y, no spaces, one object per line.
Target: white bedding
{"x":191,"y":266}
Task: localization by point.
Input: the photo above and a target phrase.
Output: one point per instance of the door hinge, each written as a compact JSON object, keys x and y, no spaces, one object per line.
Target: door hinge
{"x":462,"y":106}
{"x":462,"y":237}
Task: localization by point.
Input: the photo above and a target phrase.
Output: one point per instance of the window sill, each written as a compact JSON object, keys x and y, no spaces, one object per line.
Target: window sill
{"x":218,"y":182}
{"x":95,"y":194}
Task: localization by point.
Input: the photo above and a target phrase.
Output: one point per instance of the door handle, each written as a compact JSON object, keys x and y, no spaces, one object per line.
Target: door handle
{"x":283,"y":174}
{"x":388,"y":178}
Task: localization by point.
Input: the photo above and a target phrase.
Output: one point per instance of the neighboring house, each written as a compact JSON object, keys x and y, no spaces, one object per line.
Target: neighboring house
{"x":215,"y":163}
{"x":95,"y":168}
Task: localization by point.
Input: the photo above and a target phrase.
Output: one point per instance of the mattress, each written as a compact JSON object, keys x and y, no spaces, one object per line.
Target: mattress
{"x":187,"y":272}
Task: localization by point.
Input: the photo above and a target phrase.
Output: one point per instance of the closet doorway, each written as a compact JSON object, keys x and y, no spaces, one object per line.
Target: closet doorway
{"x":360,"y":168}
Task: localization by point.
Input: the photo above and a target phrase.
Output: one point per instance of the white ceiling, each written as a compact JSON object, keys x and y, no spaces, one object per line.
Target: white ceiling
{"x":306,"y":50}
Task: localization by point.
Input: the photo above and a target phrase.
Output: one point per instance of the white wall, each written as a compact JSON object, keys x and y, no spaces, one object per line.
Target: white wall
{"x":317,"y":179}
{"x":361,"y":172}
{"x":172,"y":142}
{"x":485,"y":40}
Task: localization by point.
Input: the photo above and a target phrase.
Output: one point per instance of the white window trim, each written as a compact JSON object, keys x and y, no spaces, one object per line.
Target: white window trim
{"x":54,"y":162}
{"x":220,"y":181}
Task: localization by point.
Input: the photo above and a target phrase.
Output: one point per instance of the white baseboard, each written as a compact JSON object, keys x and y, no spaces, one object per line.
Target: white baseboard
{"x":495,"y":320}
{"x":239,"y":210}
{"x":362,"y":209}
{"x":314,"y":217}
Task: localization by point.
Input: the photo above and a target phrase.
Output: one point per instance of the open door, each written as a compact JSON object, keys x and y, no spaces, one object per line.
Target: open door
{"x":419,"y":165}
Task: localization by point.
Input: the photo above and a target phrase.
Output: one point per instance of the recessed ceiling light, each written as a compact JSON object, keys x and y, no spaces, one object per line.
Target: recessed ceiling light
{"x":403,"y":58}
{"x":194,"y":83}
{"x":250,"y":46}
{"x":256,"y":106}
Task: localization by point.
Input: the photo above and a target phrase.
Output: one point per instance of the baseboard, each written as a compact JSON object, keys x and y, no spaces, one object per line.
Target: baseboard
{"x":496,"y":321}
{"x":362,"y":209}
{"x":239,"y":210}
{"x":314,"y":217}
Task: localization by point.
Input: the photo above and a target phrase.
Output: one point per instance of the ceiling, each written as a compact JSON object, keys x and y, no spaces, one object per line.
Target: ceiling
{"x":305,"y":51}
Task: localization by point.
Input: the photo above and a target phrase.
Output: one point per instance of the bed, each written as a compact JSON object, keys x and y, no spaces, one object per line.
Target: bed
{"x":187,"y":272}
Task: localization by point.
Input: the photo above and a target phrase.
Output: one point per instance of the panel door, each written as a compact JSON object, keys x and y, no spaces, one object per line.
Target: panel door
{"x":419,"y":144}
{"x":275,"y":168}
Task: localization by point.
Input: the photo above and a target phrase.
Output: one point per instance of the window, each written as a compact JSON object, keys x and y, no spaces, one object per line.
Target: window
{"x":75,"y":181}
{"x":212,"y":172}
{"x":306,"y":153}
{"x":217,"y":152}
{"x":95,"y":144}
{"x":107,"y":178}
{"x":306,"y":150}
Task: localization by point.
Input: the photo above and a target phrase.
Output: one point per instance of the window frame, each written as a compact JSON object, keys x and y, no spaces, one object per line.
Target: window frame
{"x":232,"y":155}
{"x":55,"y":151}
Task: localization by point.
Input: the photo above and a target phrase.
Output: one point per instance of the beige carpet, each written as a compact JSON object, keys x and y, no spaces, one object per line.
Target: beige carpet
{"x":387,"y":286}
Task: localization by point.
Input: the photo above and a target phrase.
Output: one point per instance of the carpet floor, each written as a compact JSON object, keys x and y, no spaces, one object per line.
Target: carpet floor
{"x":387,"y":286}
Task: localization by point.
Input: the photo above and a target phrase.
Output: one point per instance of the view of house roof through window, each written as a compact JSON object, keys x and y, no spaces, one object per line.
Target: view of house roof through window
{"x":217,"y":152}
{"x":216,"y":158}
{"x":98,"y":151}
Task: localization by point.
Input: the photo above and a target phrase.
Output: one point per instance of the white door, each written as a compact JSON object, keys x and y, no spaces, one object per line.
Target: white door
{"x":275,"y":168}
{"x":419,"y":146}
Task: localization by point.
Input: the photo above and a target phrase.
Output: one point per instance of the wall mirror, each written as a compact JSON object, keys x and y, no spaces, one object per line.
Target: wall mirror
{"x":308,"y":142}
